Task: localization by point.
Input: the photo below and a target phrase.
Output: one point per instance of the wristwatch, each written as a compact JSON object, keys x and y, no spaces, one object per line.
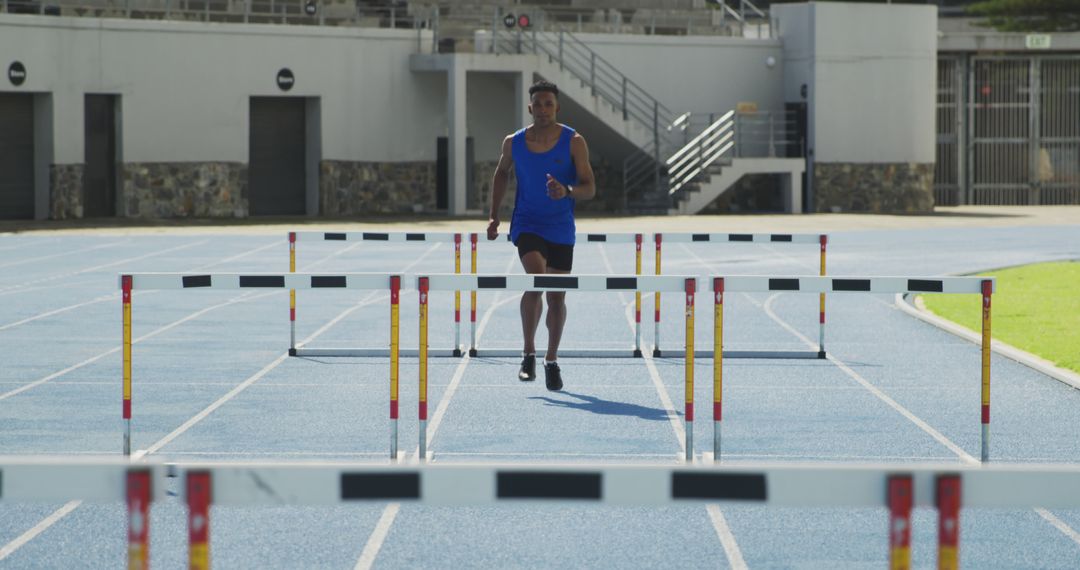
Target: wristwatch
{"x":569,"y":191}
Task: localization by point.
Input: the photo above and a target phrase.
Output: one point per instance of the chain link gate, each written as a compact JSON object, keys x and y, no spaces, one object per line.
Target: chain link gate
{"x":1014,"y":138}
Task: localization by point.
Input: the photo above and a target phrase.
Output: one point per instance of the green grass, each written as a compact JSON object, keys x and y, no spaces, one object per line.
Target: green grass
{"x":1036,"y":308}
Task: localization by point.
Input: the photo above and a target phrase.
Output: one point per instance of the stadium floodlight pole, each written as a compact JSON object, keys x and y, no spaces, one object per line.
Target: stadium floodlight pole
{"x":422,"y":285}
{"x":987,"y":291}
{"x":395,"y":352}
{"x":689,"y":366}
{"x":947,"y":501}
{"x":718,"y":363}
{"x":292,"y":295}
{"x":900,"y":499}
{"x":656,"y":301}
{"x":457,"y":296}
{"x":125,"y":285}
{"x":472,"y":299}
{"x":824,"y":239}
{"x":139,"y":494}
{"x":198,"y":496}
{"x":637,"y":295}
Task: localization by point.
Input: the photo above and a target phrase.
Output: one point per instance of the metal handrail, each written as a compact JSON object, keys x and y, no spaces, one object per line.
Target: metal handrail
{"x":701,"y":152}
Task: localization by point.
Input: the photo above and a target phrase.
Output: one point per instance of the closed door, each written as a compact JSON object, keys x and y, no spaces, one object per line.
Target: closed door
{"x":99,"y":176}
{"x":16,"y":156}
{"x":277,"y":173}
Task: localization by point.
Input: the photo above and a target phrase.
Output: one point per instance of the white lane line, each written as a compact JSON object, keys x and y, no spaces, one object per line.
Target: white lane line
{"x":650,"y":365}
{"x":371,"y":298}
{"x":1059,"y":524}
{"x":14,"y":545}
{"x":16,"y":288}
{"x":114,"y":296}
{"x":39,"y":528}
{"x":938,"y":436}
{"x":61,"y":254}
{"x":378,"y":536}
{"x":723,"y":532}
{"x":151,"y":334}
{"x":386,"y":520}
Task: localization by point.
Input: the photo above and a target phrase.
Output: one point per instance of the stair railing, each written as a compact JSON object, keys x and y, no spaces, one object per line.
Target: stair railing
{"x":701,"y":152}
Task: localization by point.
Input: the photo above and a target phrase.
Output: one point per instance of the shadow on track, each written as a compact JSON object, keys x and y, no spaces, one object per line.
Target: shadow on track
{"x":605,"y":407}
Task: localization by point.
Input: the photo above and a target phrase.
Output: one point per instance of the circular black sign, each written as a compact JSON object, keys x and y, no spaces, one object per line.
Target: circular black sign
{"x":509,"y":20}
{"x":285,"y":79}
{"x":310,"y":7}
{"x":16,"y":73}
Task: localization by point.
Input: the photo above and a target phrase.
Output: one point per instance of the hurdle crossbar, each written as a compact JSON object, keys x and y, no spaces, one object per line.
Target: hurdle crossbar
{"x":847,"y":285}
{"x":372,"y":237}
{"x":720,"y":238}
{"x":290,"y":281}
{"x":561,"y":283}
{"x":897,"y":488}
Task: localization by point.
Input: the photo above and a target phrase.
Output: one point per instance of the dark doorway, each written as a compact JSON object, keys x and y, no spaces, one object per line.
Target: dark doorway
{"x":16,"y":156}
{"x":277,"y":160}
{"x":442,"y":172}
{"x":99,"y":176}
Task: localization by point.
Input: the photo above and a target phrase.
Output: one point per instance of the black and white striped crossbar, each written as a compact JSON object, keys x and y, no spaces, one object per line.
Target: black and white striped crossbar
{"x":364,"y":281}
{"x":581,"y":238}
{"x":396,"y":237}
{"x":833,"y":284}
{"x":740,"y":238}
{"x":549,"y":282}
{"x":782,"y":485}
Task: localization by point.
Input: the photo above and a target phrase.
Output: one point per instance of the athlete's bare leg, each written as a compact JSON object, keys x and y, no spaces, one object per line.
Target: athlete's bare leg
{"x":556,"y":318}
{"x":532,"y":303}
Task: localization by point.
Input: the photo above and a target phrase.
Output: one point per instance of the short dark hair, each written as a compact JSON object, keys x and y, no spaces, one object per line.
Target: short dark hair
{"x":542,"y":85}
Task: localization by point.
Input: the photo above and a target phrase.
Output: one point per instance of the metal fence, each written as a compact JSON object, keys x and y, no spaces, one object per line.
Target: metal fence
{"x":1008,"y":130}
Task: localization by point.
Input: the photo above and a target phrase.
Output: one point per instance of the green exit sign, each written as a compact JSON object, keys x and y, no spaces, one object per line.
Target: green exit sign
{"x":1037,"y":41}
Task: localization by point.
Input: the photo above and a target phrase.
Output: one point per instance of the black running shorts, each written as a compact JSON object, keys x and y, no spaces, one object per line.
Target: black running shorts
{"x":559,"y":256}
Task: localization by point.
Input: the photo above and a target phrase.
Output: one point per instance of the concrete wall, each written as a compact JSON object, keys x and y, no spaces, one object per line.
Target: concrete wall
{"x":698,"y":73}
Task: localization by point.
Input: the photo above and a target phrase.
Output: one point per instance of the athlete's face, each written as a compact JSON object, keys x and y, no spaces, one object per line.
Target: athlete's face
{"x":543,"y":108}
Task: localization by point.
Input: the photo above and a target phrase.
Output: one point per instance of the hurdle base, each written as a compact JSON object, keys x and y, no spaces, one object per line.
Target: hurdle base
{"x":472,"y":352}
{"x":567,"y":353}
{"x":821,"y":355}
{"x":292,"y":352}
{"x":637,"y":353}
{"x":759,"y":354}
{"x":457,"y":352}
{"x":374,"y":352}
{"x":657,"y":354}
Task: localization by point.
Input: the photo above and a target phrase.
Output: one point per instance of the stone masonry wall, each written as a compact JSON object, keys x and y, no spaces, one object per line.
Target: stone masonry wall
{"x":876,"y":188}
{"x":348,"y":188}
{"x":184,"y":190}
{"x":65,"y":191}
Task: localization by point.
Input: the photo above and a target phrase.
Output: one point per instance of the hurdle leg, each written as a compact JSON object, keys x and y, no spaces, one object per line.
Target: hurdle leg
{"x":472,"y":304}
{"x":637,"y":298}
{"x":199,"y":497}
{"x":899,"y":503}
{"x":139,"y":495}
{"x":457,"y":296}
{"x":689,"y":366}
{"x":987,"y":291}
{"x":656,"y":301}
{"x":292,"y":295}
{"x":718,"y":364}
{"x":125,"y":285}
{"x":423,"y":356}
{"x":824,"y":239}
{"x":947,"y":499}
{"x":395,"y":353}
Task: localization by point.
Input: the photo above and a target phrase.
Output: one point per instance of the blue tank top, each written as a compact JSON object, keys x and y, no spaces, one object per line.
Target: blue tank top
{"x":534,"y":212}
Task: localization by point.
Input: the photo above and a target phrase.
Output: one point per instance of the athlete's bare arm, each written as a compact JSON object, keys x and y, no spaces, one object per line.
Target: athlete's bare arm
{"x":585,"y":188}
{"x":498,"y":185}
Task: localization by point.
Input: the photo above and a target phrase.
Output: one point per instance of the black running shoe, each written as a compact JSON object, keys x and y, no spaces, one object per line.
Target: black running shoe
{"x":528,"y":368}
{"x":552,"y":376}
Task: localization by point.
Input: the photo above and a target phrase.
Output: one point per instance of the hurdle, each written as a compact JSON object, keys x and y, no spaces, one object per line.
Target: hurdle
{"x":562,"y":283}
{"x":895,"y":488}
{"x":290,"y":281}
{"x":873,"y":285}
{"x":375,"y":237}
{"x":821,"y":240}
